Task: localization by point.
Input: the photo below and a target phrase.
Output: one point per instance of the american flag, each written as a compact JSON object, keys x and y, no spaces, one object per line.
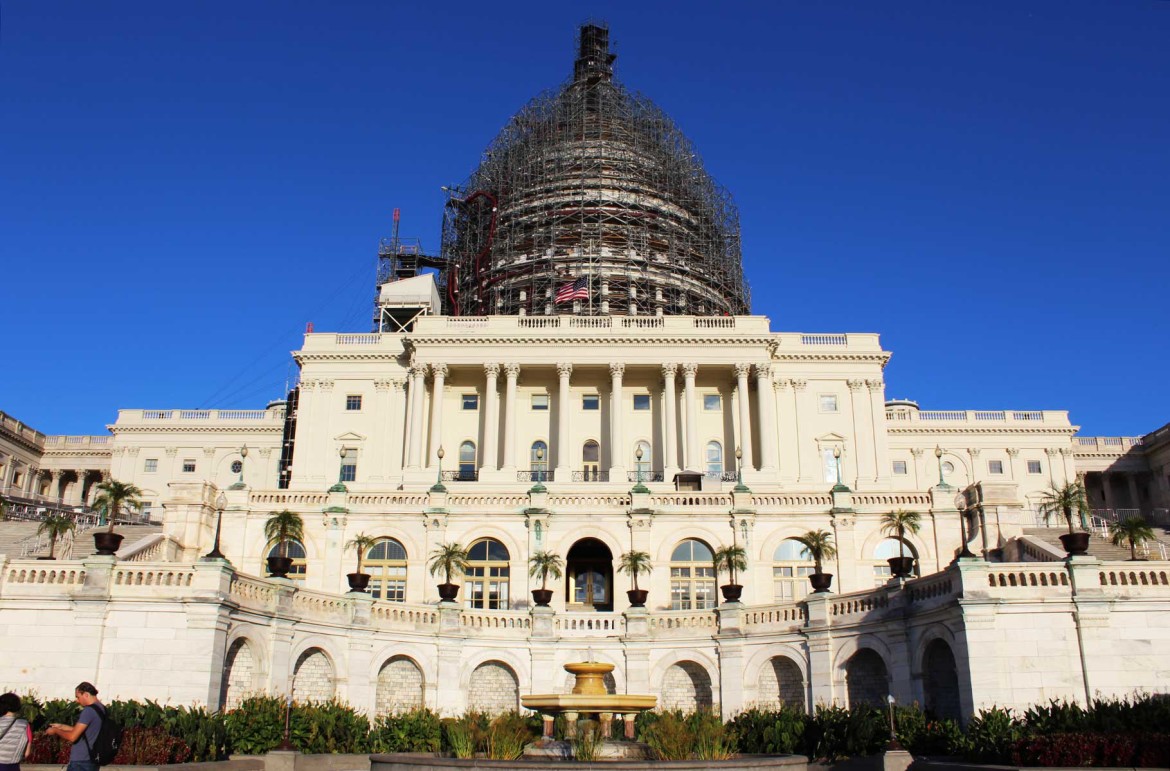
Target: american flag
{"x":577,"y":290}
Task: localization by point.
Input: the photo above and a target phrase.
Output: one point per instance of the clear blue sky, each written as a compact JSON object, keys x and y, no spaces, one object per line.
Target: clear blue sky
{"x":986,"y":184}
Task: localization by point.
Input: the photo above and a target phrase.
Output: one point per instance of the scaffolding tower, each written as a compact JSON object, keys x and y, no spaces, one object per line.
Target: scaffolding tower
{"x":593,"y":193}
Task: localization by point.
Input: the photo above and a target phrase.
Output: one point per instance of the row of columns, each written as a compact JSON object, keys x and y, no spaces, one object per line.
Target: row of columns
{"x":31,"y":484}
{"x":692,"y":453}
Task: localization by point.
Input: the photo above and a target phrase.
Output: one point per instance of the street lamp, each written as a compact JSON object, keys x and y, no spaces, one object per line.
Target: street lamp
{"x":239,"y":485}
{"x":961,"y":505}
{"x":894,"y":745}
{"x":639,"y":487}
{"x":837,"y":463}
{"x":938,"y":453}
{"x":215,"y":553}
{"x":740,"y":487}
{"x":343,"y":453}
{"x":438,"y":487}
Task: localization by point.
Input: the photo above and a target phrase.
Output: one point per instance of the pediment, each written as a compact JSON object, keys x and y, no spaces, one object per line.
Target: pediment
{"x":349,"y":436}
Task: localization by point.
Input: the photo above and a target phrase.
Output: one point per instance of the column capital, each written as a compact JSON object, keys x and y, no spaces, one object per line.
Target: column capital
{"x":617,"y":368}
{"x":325,"y":385}
{"x":875,"y":385}
{"x":512,"y":369}
{"x":799,"y":384}
{"x":1066,"y":451}
{"x":397,"y":384}
{"x":171,"y":451}
{"x":492,"y":369}
{"x":743,"y":370}
{"x":782,"y":385}
{"x":565,"y":369}
{"x":764,"y":371}
{"x":439,"y":369}
{"x":690,"y":369}
{"x":669,"y":370}
{"x":1051,"y":451}
{"x":855,"y":385}
{"x":382,"y":385}
{"x":307,"y":385}
{"x":917,"y":451}
{"x":1013,"y":451}
{"x":418,"y":369}
{"x":974,"y":452}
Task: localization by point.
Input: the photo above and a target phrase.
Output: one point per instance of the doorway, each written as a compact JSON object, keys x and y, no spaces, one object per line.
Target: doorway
{"x":590,"y":570}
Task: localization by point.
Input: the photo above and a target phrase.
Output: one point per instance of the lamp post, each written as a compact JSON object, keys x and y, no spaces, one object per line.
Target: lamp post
{"x":239,"y":484}
{"x":894,"y":745}
{"x":639,"y":487}
{"x":340,"y":487}
{"x":740,"y":487}
{"x":837,"y":463}
{"x":538,"y":476}
{"x":215,"y":553}
{"x":938,"y":453}
{"x":961,"y":505}
{"x":438,"y":486}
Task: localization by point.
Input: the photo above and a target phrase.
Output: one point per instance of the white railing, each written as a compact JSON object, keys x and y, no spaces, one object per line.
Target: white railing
{"x":1114,"y":444}
{"x":370,"y":338}
{"x":466,"y":322}
{"x":539,"y":322}
{"x":591,"y":322}
{"x":824,"y":340}
{"x":715,"y":322}
{"x":639,"y":322}
{"x":897,"y":414}
{"x":196,"y":415}
{"x":990,"y":415}
{"x":942,"y":415}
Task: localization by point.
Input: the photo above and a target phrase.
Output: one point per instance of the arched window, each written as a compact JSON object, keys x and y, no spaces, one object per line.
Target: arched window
{"x":692,"y":576}
{"x":386,"y":563}
{"x":466,"y":462}
{"x":591,"y":461}
{"x":791,"y":568}
{"x":714,"y":460}
{"x":886,"y":549}
{"x":486,"y":581}
{"x":539,"y":461}
{"x":296,"y":551}
{"x":644,"y":465}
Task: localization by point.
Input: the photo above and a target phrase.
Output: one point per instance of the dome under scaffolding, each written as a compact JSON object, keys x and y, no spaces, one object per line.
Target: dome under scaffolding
{"x":591,"y":202}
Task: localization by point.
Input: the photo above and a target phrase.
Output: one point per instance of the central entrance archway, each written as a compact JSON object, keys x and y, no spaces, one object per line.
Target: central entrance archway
{"x":590,"y":571}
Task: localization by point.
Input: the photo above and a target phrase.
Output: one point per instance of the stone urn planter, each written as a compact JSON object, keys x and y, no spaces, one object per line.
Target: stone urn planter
{"x":278,"y":567}
{"x":542,"y":597}
{"x":358,"y":581}
{"x":901,"y":567}
{"x":106,"y":543}
{"x":637,"y":597}
{"x":448,"y":592}
{"x":1075,"y":543}
{"x":731,"y":592}
{"x":821,"y":582}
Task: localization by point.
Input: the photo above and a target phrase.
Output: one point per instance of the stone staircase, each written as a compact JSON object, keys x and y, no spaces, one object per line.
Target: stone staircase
{"x":1099,"y":546}
{"x":13,"y":532}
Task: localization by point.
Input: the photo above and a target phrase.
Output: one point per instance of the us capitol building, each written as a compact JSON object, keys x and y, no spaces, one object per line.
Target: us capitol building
{"x":578,"y":371}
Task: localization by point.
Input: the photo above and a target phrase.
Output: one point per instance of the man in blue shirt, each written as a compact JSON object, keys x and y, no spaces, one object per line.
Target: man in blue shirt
{"x":85,"y":732}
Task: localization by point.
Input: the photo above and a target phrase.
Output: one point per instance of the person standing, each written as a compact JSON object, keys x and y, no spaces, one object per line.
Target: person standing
{"x":15,"y":734}
{"x":84,"y":733}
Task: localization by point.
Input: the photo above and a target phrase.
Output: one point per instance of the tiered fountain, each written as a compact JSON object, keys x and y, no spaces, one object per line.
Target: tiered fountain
{"x":588,"y":700}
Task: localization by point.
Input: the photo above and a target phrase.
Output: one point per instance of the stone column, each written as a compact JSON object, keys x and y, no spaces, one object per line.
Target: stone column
{"x":1107,"y":490}
{"x":418,"y":374}
{"x":881,"y":443}
{"x":408,"y":426}
{"x":512,"y":372}
{"x":439,"y":375}
{"x":1135,"y":502}
{"x":1013,"y":455}
{"x":399,"y":427}
{"x":863,"y":436}
{"x":669,"y":422}
{"x":921,"y":480}
{"x":491,"y":420}
{"x":767,"y":397}
{"x":32,"y":480}
{"x":78,"y":495}
{"x":564,"y":371}
{"x":809,"y":464}
{"x":55,"y":485}
{"x":745,"y":416}
{"x":378,"y":455}
{"x":692,"y":460}
{"x":789,"y":447}
{"x":617,"y":447}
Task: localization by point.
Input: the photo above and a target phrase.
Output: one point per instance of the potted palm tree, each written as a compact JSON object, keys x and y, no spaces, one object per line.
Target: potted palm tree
{"x":55,"y":526}
{"x":634,"y":563}
{"x":1135,"y":531}
{"x":282,"y":527}
{"x":544,"y":564}
{"x":1065,"y":501}
{"x":448,"y":559}
{"x":897,"y":524}
{"x":112,"y":499}
{"x":360,"y":543}
{"x":730,"y":559}
{"x":819,"y":545}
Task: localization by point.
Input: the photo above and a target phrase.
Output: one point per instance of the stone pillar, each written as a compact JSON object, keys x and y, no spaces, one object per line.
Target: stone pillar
{"x":55,"y":485}
{"x":820,"y":650}
{"x":439,"y":375}
{"x":843,"y":537}
{"x":692,"y":459}
{"x":731,"y":656}
{"x":512,"y":372}
{"x":564,"y":371}
{"x":790,"y":446}
{"x":1135,"y":501}
{"x":1107,"y":489}
{"x":863,"y":436}
{"x":491,"y":420}
{"x":767,"y":396}
{"x":399,"y":421}
{"x":881,"y":443}
{"x":418,"y":374}
{"x":617,"y":447}
{"x":377,"y":460}
{"x":669,"y":423}
{"x":745,"y":416}
{"x":79,"y":493}
{"x":1013,"y":460}
{"x":809,"y":464}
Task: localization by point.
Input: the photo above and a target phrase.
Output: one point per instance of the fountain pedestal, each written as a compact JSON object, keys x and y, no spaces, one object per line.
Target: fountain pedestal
{"x":589,"y":699}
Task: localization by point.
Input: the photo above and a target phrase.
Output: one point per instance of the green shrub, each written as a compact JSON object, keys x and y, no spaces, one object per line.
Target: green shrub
{"x":760,"y":731}
{"x":256,"y":726}
{"x":992,"y":734}
{"x":506,"y":736}
{"x":834,"y":733}
{"x":460,"y":736}
{"x":329,"y":727}
{"x":712,"y":739}
{"x":586,"y":745}
{"x":668,"y":735}
{"x":416,"y":730}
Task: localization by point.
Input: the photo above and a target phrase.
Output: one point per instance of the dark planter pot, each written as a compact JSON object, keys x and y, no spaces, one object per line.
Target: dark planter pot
{"x":542,"y":597}
{"x":106,"y":543}
{"x":821,"y":581}
{"x":637,"y":597}
{"x":358,"y":581}
{"x":448,"y":592}
{"x":901,"y":566}
{"x":731,"y":592}
{"x":1075,"y":543}
{"x":278,"y":567}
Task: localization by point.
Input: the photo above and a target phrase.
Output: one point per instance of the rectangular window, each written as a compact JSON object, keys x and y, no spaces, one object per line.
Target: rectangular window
{"x":900,"y":467}
{"x":641,"y":401}
{"x":471,"y":401}
{"x":540,"y":401}
{"x":995,"y":467}
{"x":188,"y":465}
{"x":348,"y":472}
{"x":1033,"y":467}
{"x":712,"y":402}
{"x":353,"y":402}
{"x":151,"y":465}
{"x":590,"y":402}
{"x":828,"y":402}
{"x":830,"y":464}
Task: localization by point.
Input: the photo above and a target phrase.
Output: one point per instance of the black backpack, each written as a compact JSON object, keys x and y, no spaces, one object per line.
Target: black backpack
{"x":109,"y":739}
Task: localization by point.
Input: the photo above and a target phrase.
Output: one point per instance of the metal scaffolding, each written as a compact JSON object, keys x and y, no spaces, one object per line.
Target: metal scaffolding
{"x":591,"y":188}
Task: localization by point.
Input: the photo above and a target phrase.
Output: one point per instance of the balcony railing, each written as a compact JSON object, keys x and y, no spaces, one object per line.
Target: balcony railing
{"x":462,"y":475}
{"x":533,"y":475}
{"x":722,"y":476}
{"x":593,"y":475}
{"x":645,"y":476}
